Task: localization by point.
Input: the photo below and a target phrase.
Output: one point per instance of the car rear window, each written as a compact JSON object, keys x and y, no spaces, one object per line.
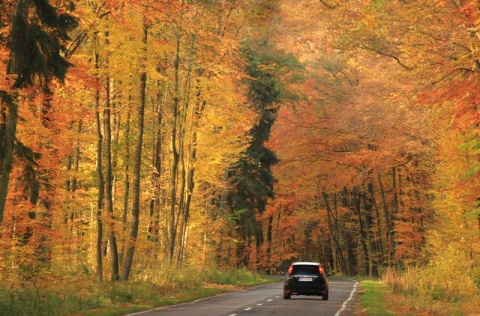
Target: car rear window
{"x":305,"y":269}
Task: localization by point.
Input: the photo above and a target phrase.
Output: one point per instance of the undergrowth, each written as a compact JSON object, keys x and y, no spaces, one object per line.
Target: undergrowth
{"x":83,"y":296}
{"x":438,"y":289}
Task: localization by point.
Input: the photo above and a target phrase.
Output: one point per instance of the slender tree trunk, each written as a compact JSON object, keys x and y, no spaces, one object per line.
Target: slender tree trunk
{"x":126,"y":182}
{"x":387,"y":220}
{"x":364,"y":236}
{"x":259,"y":240}
{"x":368,"y":209}
{"x":269,"y":250}
{"x":396,"y":210}
{"x":187,"y":170}
{"x":186,"y":213}
{"x":349,"y":249}
{"x":109,"y":184}
{"x":334,"y":235}
{"x":182,"y":179}
{"x":71,"y":185}
{"x":175,"y":157}
{"x":128,"y":261}
{"x":379,"y":236}
{"x":101,"y":184}
{"x":154,"y":207}
{"x":72,"y":226}
{"x":339,"y":234}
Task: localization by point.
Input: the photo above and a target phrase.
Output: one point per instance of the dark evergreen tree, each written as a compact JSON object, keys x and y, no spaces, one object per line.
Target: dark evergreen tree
{"x":251,"y":176}
{"x":36,"y":43}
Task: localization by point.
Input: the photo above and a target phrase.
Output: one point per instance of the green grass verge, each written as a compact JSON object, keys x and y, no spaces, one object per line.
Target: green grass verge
{"x":373,"y":297}
{"x":174,"y":298}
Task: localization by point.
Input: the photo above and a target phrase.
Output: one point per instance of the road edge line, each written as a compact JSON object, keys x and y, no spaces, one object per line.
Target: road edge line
{"x":344,"y":305}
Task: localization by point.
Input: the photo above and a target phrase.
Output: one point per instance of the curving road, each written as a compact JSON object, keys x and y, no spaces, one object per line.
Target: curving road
{"x":267,"y":300}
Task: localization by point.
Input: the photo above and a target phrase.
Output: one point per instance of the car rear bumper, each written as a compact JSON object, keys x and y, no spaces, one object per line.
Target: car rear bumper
{"x":306,"y":289}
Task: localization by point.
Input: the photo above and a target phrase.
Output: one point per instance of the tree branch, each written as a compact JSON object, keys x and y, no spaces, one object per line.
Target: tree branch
{"x":328,"y":5}
{"x":464,"y":70}
{"x":397,"y":59}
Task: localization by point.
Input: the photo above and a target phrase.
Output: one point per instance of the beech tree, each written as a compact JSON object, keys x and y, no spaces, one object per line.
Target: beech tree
{"x":374,"y":142}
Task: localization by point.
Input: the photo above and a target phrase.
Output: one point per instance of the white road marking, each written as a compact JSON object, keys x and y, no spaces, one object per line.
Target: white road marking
{"x":270,"y":300}
{"x":248,"y":308}
{"x":344,"y":305}
{"x":260,"y":304}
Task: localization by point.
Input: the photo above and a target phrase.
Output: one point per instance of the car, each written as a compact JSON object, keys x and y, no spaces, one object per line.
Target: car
{"x":305,"y":278}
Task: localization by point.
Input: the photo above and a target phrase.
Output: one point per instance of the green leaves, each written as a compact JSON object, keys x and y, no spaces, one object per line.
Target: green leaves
{"x":36,"y":42}
{"x":270,"y":73}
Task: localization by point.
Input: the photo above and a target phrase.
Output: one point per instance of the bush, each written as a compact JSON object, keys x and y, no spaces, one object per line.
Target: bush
{"x":449,"y":284}
{"x":240,"y":277}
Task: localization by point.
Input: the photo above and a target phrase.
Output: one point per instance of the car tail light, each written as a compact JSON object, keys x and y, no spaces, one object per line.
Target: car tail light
{"x":290,"y":269}
{"x":320,"y":268}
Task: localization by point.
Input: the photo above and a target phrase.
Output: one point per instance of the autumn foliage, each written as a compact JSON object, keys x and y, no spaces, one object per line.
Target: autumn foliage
{"x":239,"y":134}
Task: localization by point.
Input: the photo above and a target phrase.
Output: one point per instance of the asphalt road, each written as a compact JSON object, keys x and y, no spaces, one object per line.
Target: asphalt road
{"x":267,"y":300}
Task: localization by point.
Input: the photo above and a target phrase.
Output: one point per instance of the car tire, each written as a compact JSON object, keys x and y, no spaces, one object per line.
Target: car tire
{"x":325,"y":296}
{"x":286,"y":296}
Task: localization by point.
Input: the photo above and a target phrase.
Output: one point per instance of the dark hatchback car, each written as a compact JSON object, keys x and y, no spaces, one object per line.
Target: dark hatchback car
{"x":305,"y":278}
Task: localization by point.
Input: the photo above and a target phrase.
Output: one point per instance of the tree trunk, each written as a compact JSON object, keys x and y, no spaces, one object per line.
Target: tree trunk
{"x":182,"y":178}
{"x":269,"y":250}
{"x":372,"y":251}
{"x":101,"y":185}
{"x":379,"y":241}
{"x":333,"y":229}
{"x":126,"y":182}
{"x":187,"y":166}
{"x":349,"y":249}
{"x":128,"y":261}
{"x":395,"y":208}
{"x":154,"y":207}
{"x":387,"y":220}
{"x":186,"y":213}
{"x":109,"y":184}
{"x":364,"y":236}
{"x":175,"y":158}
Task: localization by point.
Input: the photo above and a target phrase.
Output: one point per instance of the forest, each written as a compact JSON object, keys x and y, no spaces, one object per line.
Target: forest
{"x":246,"y":134}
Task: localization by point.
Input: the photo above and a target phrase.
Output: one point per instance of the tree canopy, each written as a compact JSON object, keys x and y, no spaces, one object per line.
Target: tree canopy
{"x":239,"y":133}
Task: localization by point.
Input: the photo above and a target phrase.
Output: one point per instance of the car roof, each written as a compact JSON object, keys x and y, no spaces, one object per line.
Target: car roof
{"x":306,"y":263}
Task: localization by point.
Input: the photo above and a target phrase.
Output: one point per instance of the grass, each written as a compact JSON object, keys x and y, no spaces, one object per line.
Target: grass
{"x":84,"y":297}
{"x":433,"y":291}
{"x":413,"y":293}
{"x":373,"y":298}
{"x":174,"y":298}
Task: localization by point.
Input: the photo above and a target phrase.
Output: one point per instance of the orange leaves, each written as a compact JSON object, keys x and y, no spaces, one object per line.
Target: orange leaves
{"x":469,"y":13}
{"x":359,"y":116}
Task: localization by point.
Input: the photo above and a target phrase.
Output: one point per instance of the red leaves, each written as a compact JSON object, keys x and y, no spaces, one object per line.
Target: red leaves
{"x":469,"y":13}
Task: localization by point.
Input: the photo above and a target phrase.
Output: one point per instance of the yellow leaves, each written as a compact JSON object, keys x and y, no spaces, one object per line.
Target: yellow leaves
{"x":369,"y":21}
{"x":224,"y":124}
